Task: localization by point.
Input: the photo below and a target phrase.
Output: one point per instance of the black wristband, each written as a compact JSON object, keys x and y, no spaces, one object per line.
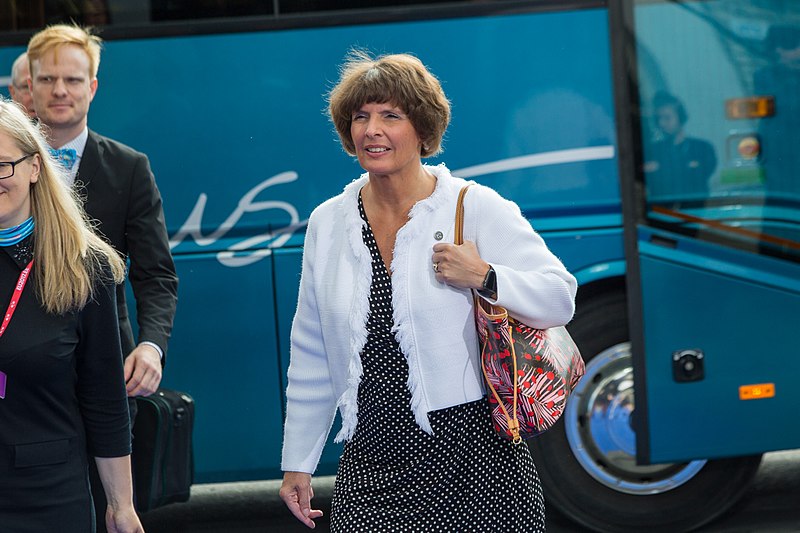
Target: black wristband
{"x":489,"y":287}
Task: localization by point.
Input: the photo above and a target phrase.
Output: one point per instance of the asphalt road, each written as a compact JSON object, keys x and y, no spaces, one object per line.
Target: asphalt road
{"x":772,"y":505}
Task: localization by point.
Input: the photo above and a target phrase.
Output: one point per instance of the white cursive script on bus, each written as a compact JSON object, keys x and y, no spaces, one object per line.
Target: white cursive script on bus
{"x":234,"y":256}
{"x":240,"y":254}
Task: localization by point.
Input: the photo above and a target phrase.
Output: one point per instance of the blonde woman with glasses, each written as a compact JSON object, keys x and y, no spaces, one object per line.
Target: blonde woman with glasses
{"x":61,"y":382}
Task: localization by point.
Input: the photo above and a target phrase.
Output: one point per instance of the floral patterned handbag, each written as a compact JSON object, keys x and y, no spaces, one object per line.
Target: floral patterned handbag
{"x":528,"y":372}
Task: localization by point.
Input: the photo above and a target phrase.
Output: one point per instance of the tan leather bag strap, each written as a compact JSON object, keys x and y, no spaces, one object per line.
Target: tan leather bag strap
{"x":513,"y":422}
{"x":459,"y":236}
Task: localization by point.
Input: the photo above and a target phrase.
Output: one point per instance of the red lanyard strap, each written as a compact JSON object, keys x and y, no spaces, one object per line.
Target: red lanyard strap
{"x":12,"y":305}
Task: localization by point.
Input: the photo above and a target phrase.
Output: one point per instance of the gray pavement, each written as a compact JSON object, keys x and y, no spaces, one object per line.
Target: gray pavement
{"x":242,"y":507}
{"x":772,"y":505}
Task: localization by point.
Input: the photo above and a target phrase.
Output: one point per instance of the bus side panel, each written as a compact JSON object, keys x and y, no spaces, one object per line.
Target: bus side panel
{"x":242,"y":151}
{"x":706,"y":418}
{"x":580,"y":250}
{"x":230,"y":112}
{"x":224,"y":356}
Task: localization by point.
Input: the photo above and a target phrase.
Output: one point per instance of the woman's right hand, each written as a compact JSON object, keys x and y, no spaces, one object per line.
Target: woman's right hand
{"x":296,"y":493}
{"x":123,"y":520}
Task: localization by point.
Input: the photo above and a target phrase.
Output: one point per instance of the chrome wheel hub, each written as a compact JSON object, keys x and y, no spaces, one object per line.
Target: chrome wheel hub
{"x":598,"y":422}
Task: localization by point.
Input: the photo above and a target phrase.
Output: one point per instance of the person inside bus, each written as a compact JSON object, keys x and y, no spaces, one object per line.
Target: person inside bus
{"x":676,"y":164}
{"x":18,"y":89}
{"x":62,"y":390}
{"x":119,"y":191}
{"x":384,"y":326}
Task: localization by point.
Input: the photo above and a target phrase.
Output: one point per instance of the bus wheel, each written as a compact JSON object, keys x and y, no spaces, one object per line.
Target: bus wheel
{"x":587,"y":461}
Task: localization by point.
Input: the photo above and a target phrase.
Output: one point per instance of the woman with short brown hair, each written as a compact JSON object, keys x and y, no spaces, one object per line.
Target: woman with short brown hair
{"x":384,"y":326}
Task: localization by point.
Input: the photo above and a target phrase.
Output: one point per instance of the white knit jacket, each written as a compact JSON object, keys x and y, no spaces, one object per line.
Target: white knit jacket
{"x":433,"y":322}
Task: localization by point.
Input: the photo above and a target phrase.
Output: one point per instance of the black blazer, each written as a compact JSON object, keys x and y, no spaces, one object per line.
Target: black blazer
{"x":120,"y":192}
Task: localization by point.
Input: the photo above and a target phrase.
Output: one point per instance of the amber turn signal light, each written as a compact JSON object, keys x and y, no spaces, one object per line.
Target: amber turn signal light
{"x":757,"y":392}
{"x":750,"y":107}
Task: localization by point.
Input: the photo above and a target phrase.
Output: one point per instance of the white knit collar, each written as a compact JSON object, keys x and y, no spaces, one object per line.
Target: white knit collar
{"x":400,"y":279}
{"x":444,"y":181}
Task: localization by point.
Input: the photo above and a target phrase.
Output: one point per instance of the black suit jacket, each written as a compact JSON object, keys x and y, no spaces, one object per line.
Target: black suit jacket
{"x":120,"y":193}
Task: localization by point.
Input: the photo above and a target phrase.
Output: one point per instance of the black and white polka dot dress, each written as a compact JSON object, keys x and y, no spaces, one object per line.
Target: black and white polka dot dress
{"x":394,"y":477}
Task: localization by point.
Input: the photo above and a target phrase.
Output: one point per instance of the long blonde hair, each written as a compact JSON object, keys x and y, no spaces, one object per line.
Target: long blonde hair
{"x":69,"y":258}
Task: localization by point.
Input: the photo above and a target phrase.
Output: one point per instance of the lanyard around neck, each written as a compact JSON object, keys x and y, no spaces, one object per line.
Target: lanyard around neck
{"x":12,"y":305}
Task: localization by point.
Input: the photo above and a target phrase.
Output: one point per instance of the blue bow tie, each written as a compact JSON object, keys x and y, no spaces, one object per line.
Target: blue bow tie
{"x":65,"y":156}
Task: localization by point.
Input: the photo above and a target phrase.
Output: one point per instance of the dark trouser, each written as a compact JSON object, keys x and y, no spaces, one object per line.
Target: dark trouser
{"x":98,"y":494}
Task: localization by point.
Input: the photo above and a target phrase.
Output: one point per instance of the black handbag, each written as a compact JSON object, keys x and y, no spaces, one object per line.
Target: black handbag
{"x":163,"y":459}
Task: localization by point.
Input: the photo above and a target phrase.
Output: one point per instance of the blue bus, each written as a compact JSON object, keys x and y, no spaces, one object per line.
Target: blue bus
{"x":651,"y":143}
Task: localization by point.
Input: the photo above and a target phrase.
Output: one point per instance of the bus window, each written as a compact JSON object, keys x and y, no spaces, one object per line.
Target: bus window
{"x":201,"y":9}
{"x":304,"y":6}
{"x":720,"y":128}
{"x":135,"y":13}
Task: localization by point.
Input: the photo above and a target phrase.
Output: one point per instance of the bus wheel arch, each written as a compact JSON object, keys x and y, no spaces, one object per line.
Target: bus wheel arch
{"x":608,"y":491}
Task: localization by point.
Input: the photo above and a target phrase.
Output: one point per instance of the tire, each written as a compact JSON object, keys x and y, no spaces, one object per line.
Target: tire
{"x":587,"y":460}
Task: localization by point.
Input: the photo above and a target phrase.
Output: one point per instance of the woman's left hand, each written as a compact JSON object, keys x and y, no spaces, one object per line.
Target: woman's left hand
{"x":123,"y":520}
{"x":459,"y":265}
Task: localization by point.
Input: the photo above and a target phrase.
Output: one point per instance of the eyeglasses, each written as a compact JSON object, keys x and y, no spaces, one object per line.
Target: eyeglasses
{"x":7,"y":167}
